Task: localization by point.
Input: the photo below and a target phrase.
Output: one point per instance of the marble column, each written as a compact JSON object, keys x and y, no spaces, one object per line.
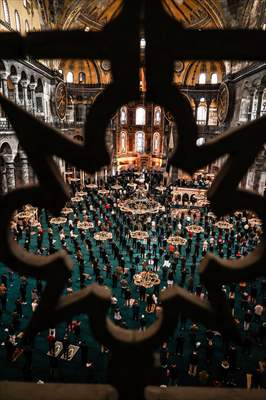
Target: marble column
{"x":32,"y":87}
{"x":3,"y":180}
{"x":15,"y":80}
{"x":260,"y":95}
{"x":3,"y":85}
{"x":24,"y":168}
{"x":196,"y":109}
{"x":10,"y":173}
{"x":24,"y":84}
{"x":70,"y":113}
{"x":208,"y":113}
{"x":250,"y":106}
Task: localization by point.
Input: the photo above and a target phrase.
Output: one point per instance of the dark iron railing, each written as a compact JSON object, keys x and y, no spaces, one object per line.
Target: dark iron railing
{"x":166,"y":37}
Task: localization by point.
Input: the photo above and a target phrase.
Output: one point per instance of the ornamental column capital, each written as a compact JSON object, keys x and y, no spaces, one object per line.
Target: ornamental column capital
{"x":32,"y":86}
{"x":24,"y":83}
{"x":9,"y":160}
{"x":14,"y":79}
{"x":22,"y":155}
{"x":3,"y":75}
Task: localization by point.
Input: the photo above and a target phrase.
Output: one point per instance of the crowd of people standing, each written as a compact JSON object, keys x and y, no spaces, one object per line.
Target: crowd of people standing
{"x":195,"y":354}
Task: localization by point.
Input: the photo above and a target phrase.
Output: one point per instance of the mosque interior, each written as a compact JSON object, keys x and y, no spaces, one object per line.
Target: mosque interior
{"x":137,"y":226}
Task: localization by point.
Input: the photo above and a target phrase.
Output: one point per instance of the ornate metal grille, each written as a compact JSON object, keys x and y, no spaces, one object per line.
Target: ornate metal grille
{"x":162,"y":33}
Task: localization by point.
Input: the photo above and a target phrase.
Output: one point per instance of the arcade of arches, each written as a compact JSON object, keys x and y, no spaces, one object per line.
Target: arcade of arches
{"x":158,"y":219}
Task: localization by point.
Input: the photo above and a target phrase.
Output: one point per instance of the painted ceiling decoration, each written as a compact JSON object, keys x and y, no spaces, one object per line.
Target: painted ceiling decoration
{"x":94,"y":14}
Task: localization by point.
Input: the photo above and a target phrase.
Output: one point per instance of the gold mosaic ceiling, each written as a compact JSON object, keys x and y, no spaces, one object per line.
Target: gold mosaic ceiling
{"x":96,"y":13}
{"x":197,"y":14}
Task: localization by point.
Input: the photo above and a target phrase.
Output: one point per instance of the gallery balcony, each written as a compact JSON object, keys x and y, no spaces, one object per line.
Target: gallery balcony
{"x":5,"y":126}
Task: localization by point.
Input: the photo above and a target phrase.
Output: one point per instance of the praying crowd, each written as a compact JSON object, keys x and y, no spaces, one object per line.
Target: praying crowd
{"x":195,"y":355}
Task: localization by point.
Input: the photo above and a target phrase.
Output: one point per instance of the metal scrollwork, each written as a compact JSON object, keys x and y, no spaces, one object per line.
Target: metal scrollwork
{"x":41,"y":143}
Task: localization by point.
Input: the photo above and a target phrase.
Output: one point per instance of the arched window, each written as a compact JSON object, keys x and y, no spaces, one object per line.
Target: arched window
{"x":11,"y":89}
{"x":123,"y":142}
{"x":156,"y":143}
{"x":6,"y":11}
{"x":140,"y":116}
{"x":82,"y":77}
{"x":17,"y":19}
{"x":157,"y":116}
{"x":20,"y":92}
{"x":140,"y":142}
{"x":27,"y":27}
{"x":39,"y":97}
{"x":202,"y":112}
{"x":142,"y":43}
{"x":244,"y":108}
{"x":214,"y":78}
{"x":212,"y":116}
{"x":70,"y":77}
{"x":202,"y":78}
{"x":123,"y":115}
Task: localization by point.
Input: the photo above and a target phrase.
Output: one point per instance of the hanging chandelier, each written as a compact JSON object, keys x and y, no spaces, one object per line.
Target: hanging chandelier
{"x":140,"y":205}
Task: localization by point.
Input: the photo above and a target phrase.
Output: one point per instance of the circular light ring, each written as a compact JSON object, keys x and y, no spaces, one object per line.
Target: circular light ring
{"x":147,"y":279}
{"x":194,"y":229}
{"x":103,"y":235}
{"x":58,"y":221}
{"x":140,"y":235}
{"x":177,"y":240}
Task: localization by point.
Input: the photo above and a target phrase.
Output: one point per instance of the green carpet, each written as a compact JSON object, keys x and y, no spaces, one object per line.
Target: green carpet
{"x":73,"y":371}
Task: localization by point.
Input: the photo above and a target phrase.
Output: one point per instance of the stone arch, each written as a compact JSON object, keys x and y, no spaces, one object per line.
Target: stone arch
{"x":212,"y":120}
{"x":78,"y":138}
{"x":263,"y":80}
{"x":13,"y":70}
{"x":23,"y":76}
{"x":5,"y":149}
{"x":20,"y":92}
{"x":18,"y":174}
{"x":11,"y":89}
{"x":39,"y":88}
{"x":39,"y":96}
{"x":196,"y":68}
{"x":140,"y":142}
{"x":3,"y":182}
{"x":93,"y":72}
{"x":5,"y":156}
{"x":245,"y":103}
{"x":2,"y":66}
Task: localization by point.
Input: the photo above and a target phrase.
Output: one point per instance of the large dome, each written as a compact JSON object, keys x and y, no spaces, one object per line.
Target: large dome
{"x":198,"y":14}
